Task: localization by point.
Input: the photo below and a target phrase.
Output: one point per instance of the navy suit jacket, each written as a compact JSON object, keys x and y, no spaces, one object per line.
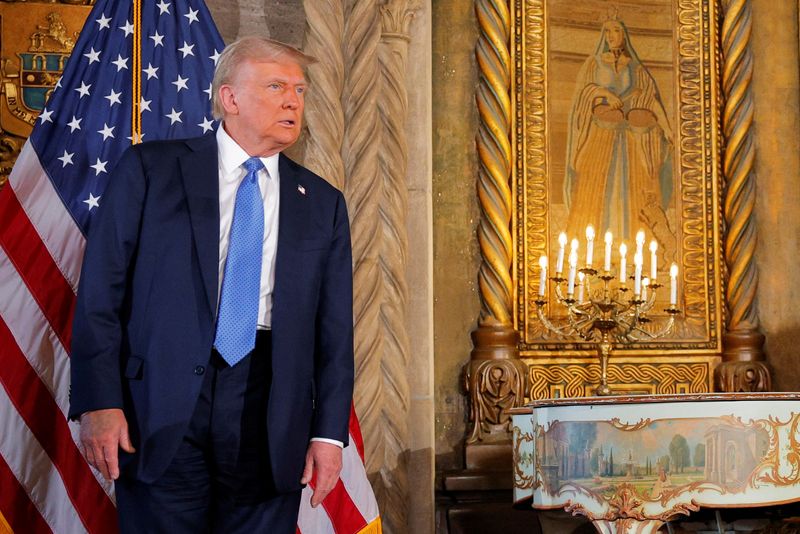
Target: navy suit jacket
{"x":145,"y":315}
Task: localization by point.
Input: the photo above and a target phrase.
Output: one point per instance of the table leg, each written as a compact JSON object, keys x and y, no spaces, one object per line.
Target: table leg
{"x":628,"y":526}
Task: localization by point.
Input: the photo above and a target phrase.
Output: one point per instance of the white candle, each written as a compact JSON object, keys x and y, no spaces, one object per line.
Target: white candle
{"x":573,"y":247}
{"x":542,"y":275}
{"x":653,"y":261}
{"x":637,"y":274}
{"x":673,"y":285}
{"x":623,"y":267}
{"x":581,"y":277}
{"x":562,"y":242}
{"x":607,"y":263}
{"x":573,"y":265}
{"x":639,"y":241}
{"x":589,"y":245}
{"x":645,"y":284}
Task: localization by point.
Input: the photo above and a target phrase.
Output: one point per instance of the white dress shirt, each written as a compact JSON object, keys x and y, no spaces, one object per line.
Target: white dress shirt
{"x":231,"y":173}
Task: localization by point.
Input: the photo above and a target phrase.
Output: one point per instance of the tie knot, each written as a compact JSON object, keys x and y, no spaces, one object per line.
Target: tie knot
{"x":253,"y":165}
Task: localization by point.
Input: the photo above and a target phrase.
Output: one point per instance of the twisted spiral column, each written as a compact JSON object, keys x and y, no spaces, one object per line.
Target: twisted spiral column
{"x":364,"y":193}
{"x":743,"y":367}
{"x":495,"y":338}
{"x":324,"y":114}
{"x":494,"y":150}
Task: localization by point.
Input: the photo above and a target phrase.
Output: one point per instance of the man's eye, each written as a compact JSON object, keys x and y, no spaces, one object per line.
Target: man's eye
{"x":274,"y":86}
{"x":300,"y":90}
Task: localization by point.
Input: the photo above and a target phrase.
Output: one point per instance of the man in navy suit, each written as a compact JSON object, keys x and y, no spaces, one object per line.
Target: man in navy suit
{"x":212,"y":357}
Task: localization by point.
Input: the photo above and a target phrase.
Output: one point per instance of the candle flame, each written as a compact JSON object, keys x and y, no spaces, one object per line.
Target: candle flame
{"x":590,"y":232}
{"x":640,"y":237}
{"x":673,"y":270}
{"x":623,"y":249}
{"x":562,"y":239}
{"x":653,"y":245}
{"x":543,"y":262}
{"x":609,"y":238}
{"x":574,"y":245}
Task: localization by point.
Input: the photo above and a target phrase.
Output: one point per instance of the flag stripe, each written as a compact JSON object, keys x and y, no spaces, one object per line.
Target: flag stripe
{"x":45,"y":210}
{"x":37,"y":407}
{"x":35,"y":265}
{"x":355,"y":433}
{"x":37,"y":341}
{"x":358,"y":487}
{"x":34,"y":471}
{"x":18,"y":510}
{"x":343,"y":512}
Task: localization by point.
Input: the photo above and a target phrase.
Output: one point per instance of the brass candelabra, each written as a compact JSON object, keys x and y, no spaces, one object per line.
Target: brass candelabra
{"x":606,"y":312}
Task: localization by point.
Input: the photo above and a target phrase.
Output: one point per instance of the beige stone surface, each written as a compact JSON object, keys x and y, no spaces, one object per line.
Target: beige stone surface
{"x":455,"y":217}
{"x":776,"y":89}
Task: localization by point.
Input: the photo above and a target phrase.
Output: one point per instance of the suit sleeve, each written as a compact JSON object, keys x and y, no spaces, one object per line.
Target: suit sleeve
{"x":97,"y":324}
{"x":334,"y":347}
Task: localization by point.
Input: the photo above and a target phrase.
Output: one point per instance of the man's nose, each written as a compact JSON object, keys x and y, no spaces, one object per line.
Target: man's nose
{"x":291,"y":100}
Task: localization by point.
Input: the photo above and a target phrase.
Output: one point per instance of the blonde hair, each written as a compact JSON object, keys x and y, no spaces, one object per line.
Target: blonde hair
{"x":251,"y":48}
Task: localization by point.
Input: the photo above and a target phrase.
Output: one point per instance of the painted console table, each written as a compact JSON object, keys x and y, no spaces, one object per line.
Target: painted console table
{"x":631,"y":463}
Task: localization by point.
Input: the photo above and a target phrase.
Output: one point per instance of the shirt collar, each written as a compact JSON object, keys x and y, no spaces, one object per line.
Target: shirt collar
{"x":232,"y":156}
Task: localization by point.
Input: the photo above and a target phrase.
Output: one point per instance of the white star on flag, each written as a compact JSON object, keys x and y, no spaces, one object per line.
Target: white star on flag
{"x":66,"y":159}
{"x":186,"y":50}
{"x":144,"y":105}
{"x":107,"y":131}
{"x":174,"y":116}
{"x":164,"y":7}
{"x":180,"y":83}
{"x":113,"y":98}
{"x":206,"y":125}
{"x":83,"y":89}
{"x":103,"y":21}
{"x":74,"y":124}
{"x":135,"y":139}
{"x":92,"y":201}
{"x":210,"y":88}
{"x":120,"y":62}
{"x":99,"y":167}
{"x":45,"y":116}
{"x":93,"y":55}
{"x":157,"y":39}
{"x":192,"y":15}
{"x":215,"y":57}
{"x":151,"y":71}
{"x":128,"y":28}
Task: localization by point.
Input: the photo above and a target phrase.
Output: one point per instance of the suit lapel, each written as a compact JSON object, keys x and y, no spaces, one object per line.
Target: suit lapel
{"x":199,"y":170}
{"x":293,"y":217}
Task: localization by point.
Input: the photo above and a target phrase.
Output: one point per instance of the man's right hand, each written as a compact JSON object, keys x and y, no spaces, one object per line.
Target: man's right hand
{"x":103,"y":432}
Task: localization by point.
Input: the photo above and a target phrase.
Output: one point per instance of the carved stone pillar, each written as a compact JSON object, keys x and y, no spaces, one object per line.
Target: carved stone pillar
{"x":495,"y":377}
{"x":743,"y":367}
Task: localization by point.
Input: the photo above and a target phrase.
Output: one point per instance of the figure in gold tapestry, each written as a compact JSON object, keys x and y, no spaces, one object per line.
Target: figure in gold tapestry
{"x":619,"y":171}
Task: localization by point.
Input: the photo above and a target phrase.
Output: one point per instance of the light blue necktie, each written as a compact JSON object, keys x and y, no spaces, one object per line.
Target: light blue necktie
{"x":241,"y":281}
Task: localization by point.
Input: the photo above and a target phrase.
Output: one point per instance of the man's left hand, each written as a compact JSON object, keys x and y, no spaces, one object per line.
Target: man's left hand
{"x":325,"y":461}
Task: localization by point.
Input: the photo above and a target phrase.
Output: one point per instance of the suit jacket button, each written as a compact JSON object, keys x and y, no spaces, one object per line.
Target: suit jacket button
{"x":199,"y":370}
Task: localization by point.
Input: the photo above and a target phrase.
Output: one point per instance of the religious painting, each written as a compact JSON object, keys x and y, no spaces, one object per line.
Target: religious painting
{"x":36,"y":39}
{"x":617,"y":148}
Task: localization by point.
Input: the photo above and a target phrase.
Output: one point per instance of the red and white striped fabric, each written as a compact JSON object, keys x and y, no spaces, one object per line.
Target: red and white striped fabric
{"x":351,"y":507}
{"x":46,"y":484}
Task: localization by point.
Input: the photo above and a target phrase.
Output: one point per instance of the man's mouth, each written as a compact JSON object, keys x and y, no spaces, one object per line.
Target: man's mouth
{"x":287,"y":122}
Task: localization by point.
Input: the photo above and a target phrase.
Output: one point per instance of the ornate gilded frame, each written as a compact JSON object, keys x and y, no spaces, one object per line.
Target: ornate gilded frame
{"x":697,"y":149}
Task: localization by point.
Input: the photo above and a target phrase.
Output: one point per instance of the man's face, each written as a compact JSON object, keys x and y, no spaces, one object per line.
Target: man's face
{"x":268,"y":98}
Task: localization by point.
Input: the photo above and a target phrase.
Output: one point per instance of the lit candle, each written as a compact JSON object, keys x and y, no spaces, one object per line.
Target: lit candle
{"x":542,"y":275}
{"x":573,"y":247}
{"x":562,"y":242}
{"x":653,"y":261}
{"x":673,"y":285}
{"x":623,"y":263}
{"x":581,"y":277}
{"x":573,"y":265}
{"x":637,"y":274}
{"x":639,"y":241}
{"x":589,"y":245}
{"x":607,"y":263}
{"x":645,"y":284}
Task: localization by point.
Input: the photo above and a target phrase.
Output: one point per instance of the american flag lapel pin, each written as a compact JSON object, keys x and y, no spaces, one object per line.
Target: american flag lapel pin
{"x":301,"y":189}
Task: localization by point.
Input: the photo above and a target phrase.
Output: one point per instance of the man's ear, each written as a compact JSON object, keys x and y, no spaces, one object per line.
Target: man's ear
{"x":227,"y":98}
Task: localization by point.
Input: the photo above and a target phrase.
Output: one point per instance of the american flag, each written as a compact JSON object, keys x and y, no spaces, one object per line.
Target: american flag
{"x":46,"y":210}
